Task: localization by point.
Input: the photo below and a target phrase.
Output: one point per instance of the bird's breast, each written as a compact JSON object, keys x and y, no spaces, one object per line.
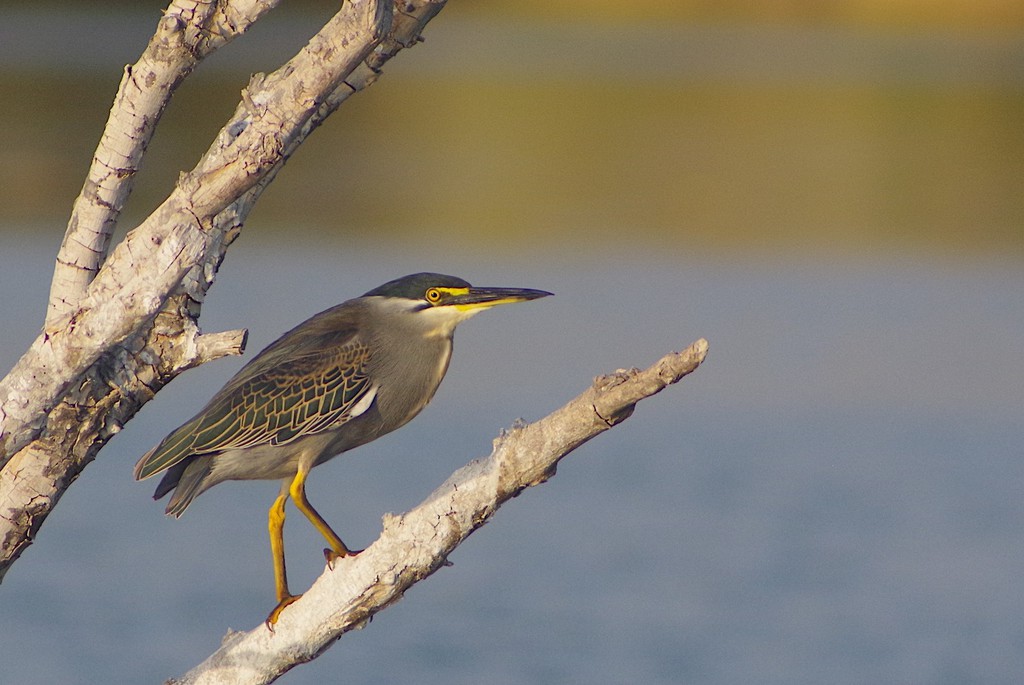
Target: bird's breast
{"x":407,"y":373}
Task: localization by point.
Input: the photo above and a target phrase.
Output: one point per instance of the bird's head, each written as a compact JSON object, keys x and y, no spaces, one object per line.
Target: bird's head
{"x":444,"y":301}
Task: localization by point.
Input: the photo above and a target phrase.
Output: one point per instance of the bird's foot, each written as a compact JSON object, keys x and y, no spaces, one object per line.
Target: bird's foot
{"x":276,"y":613}
{"x":332,"y":555}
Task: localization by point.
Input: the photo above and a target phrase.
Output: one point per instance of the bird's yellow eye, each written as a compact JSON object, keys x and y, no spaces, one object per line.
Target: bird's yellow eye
{"x":433,"y":296}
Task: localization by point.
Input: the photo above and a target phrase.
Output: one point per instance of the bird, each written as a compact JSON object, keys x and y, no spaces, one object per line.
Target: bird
{"x":340,"y":379}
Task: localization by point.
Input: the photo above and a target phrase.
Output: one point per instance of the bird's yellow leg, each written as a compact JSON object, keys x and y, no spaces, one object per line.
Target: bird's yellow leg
{"x":298,"y":493}
{"x":275,"y":524}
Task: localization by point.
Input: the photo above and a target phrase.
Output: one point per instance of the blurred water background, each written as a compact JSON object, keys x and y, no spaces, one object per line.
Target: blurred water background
{"x":830,"y":193}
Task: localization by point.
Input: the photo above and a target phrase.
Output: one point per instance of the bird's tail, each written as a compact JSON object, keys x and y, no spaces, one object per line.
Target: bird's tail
{"x":185,"y":478}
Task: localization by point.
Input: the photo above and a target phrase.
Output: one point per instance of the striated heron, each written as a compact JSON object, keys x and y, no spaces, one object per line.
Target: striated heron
{"x":336,"y":381}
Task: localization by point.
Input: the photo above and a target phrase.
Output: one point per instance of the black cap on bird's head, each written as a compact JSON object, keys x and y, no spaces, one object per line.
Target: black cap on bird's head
{"x":413,"y":286}
{"x":439,"y":290}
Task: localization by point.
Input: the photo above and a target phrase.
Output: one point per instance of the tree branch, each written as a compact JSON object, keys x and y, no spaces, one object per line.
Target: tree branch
{"x":188,"y":32}
{"x":135,"y":328}
{"x":415,"y":544}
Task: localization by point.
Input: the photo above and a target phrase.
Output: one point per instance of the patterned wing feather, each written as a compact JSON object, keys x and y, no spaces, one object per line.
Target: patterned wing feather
{"x":304,"y":395}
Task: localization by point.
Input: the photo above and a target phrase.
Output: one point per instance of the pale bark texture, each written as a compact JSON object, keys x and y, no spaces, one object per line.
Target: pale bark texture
{"x":415,"y":544}
{"x":119,"y":328}
{"x":188,"y":32}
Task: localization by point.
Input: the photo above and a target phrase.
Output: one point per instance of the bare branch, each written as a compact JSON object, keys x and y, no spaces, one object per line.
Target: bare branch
{"x":189,"y":31}
{"x":415,"y":544}
{"x":409,"y":18}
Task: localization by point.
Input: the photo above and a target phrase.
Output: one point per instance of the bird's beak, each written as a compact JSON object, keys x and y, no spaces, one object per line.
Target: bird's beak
{"x":482,"y":298}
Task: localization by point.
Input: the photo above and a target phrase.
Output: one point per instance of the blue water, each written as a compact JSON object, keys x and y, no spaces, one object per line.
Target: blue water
{"x":836,"y":496}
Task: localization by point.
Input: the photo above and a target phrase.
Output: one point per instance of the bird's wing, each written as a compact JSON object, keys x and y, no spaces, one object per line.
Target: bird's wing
{"x":304,"y":395}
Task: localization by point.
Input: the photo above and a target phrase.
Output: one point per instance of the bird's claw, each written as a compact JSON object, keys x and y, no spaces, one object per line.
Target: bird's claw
{"x":332,"y":555}
{"x":276,"y":613}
